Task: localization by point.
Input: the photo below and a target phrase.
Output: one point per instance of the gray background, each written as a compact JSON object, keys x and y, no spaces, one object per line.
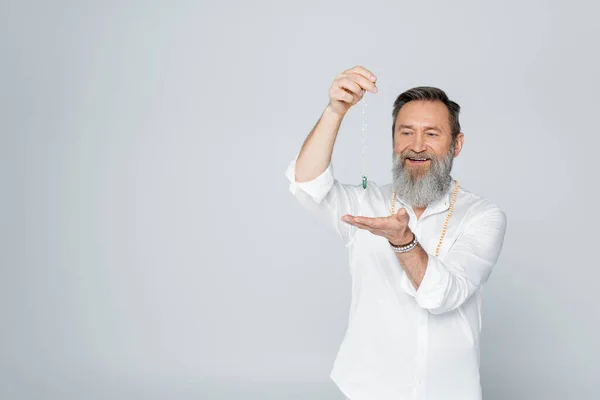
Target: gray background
{"x":151,"y":248}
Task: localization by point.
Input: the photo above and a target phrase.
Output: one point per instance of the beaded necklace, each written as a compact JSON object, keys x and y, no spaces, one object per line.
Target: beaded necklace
{"x":437,"y":251}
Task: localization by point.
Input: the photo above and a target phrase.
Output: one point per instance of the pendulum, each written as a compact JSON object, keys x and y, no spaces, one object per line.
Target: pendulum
{"x":364,"y":139}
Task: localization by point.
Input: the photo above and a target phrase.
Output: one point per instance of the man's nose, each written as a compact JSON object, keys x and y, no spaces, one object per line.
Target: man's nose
{"x":418,"y":143}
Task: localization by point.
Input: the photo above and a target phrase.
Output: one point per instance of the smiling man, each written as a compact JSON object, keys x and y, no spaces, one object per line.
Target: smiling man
{"x":420,"y":250}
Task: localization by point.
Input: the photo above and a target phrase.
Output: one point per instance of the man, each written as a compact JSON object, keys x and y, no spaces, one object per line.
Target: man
{"x":420,"y":250}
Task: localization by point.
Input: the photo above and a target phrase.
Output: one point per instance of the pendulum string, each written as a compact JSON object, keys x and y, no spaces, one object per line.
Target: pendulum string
{"x":364,"y":140}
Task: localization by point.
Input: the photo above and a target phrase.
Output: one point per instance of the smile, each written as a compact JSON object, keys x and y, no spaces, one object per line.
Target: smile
{"x":418,"y":160}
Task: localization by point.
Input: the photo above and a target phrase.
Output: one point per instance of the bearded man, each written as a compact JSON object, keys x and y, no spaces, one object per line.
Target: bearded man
{"x":420,"y":250}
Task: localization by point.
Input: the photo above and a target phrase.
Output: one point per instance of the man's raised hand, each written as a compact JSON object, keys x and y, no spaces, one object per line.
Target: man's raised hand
{"x":349,"y":87}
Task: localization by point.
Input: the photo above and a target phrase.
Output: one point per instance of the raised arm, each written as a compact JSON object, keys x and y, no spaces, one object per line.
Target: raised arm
{"x":311,"y":173}
{"x":346,"y":90}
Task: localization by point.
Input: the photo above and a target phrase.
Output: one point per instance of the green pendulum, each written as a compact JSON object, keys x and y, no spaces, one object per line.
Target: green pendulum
{"x":364,"y":139}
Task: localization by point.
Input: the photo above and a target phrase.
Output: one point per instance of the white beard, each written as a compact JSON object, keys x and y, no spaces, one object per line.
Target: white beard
{"x":417,"y":189}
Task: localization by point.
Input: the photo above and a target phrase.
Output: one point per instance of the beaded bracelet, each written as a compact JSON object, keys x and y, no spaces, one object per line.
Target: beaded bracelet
{"x":405,"y":248}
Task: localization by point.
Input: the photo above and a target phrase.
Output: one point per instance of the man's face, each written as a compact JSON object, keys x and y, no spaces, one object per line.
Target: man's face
{"x":423,"y":152}
{"x":423,"y":131}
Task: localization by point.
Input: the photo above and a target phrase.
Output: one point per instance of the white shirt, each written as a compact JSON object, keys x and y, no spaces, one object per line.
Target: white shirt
{"x":403,"y":343}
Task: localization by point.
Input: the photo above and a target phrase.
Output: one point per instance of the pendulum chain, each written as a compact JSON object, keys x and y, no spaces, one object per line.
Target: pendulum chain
{"x":364,"y":141}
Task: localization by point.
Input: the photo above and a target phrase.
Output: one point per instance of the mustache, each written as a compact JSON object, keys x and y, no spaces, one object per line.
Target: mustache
{"x":412,"y":154}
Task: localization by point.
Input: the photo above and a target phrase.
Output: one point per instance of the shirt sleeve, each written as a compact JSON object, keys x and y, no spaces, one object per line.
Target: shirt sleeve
{"x":327,"y":199}
{"x":448,"y":284}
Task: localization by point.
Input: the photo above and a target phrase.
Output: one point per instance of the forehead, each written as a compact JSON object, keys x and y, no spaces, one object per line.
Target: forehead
{"x":424,"y":113}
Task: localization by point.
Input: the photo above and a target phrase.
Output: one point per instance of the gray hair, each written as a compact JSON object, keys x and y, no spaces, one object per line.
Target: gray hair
{"x":428,"y":93}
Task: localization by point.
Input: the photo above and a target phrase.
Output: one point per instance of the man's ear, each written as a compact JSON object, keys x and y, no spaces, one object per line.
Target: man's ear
{"x":460,"y":141}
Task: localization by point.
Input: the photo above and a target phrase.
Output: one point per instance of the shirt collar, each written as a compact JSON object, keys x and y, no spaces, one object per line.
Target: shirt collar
{"x":440,"y":205}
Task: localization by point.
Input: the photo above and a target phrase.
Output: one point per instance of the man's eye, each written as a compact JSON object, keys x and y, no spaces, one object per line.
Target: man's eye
{"x":432,"y":134}
{"x":405,"y":133}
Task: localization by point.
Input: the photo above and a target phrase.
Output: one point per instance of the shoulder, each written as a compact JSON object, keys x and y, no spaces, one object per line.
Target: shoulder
{"x":479,"y":206}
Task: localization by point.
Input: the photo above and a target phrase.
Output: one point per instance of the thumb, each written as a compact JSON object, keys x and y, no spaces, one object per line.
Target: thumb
{"x":401,"y":212}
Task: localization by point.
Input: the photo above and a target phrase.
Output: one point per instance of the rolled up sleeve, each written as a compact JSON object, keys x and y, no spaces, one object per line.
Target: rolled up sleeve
{"x":317,"y":188}
{"x":327,"y":199}
{"x":448,"y":284}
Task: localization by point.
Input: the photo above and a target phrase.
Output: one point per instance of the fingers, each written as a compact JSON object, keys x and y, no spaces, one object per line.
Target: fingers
{"x":373,"y":223}
{"x":364,"y":72}
{"x":355,"y":83}
{"x":343,"y":95}
{"x":363,"y":226}
{"x":367,"y":222}
{"x":349,"y":87}
{"x":365,"y":83}
{"x":353,"y":221}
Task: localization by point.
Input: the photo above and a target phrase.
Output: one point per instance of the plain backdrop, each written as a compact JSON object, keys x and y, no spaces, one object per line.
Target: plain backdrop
{"x":151,"y":249}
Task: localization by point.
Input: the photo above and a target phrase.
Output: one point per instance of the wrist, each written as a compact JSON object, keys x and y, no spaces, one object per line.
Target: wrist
{"x":403,"y":248}
{"x":403,"y":240}
{"x":332,"y":114}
